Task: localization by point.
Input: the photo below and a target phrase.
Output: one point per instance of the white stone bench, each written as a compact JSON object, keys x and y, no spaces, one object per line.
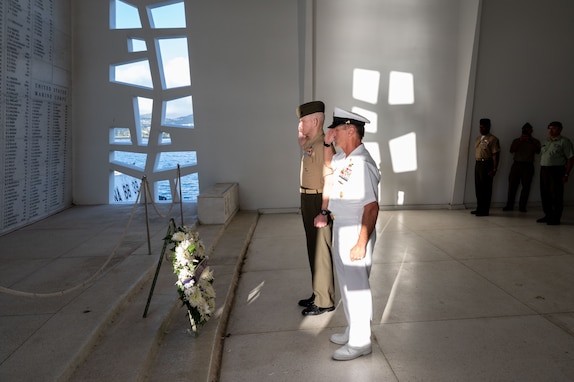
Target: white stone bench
{"x":218,"y":204}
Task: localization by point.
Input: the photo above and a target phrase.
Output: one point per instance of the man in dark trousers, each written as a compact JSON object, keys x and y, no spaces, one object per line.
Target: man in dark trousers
{"x":556,"y":160}
{"x":487,"y":153}
{"x":524,"y":149}
{"x":319,"y":240}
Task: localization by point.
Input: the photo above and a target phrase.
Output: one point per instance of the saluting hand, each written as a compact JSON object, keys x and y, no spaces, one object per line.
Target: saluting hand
{"x":330,"y":136}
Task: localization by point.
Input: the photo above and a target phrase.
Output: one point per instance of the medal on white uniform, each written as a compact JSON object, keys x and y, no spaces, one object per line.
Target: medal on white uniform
{"x":344,"y":176}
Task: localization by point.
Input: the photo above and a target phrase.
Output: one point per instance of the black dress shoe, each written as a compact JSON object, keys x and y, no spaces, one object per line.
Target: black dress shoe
{"x":542,"y":220}
{"x":314,"y":310}
{"x":308,"y":301}
{"x":473,"y":212}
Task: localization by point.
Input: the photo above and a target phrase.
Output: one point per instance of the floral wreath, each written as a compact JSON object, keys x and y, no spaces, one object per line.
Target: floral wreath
{"x":194,"y":277}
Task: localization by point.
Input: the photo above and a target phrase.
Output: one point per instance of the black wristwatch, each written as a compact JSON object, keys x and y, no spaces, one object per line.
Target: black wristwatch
{"x":325,"y":212}
{"x":326,"y":144}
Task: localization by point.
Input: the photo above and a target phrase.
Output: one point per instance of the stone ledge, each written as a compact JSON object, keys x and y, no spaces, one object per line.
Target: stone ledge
{"x":218,"y":204}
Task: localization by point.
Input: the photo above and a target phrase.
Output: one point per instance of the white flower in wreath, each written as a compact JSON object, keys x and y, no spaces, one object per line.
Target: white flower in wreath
{"x":209,"y":290}
{"x":179,"y":236}
{"x":207,"y":275}
{"x":195,"y":297}
{"x":204,"y":310}
{"x":195,"y":289}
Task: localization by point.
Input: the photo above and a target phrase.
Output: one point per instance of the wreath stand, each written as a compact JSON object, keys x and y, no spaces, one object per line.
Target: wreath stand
{"x":170,"y":231}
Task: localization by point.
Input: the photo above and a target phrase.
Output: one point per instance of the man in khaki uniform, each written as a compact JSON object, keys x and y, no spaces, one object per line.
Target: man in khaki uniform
{"x":311,"y":139}
{"x":487,"y":154}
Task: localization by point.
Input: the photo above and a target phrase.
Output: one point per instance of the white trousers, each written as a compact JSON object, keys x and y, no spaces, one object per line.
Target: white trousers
{"x":353,"y":278}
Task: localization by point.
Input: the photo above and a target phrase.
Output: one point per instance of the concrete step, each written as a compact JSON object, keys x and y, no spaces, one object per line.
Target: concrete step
{"x":67,"y":335}
{"x":127,"y":346}
{"x":185,"y":357}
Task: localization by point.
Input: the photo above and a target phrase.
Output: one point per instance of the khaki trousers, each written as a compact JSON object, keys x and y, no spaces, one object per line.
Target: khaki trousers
{"x":319,"y":251}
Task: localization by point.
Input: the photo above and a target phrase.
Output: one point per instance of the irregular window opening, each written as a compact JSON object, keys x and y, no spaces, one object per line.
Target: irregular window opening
{"x":135,"y":73}
{"x":124,"y":15}
{"x":129,"y":159}
{"x":125,"y":188}
{"x":170,"y":160}
{"x":142,"y":115}
{"x":172,"y":59}
{"x":173,"y":62}
{"x":136,"y":45}
{"x":189,"y":189}
{"x":167,"y":15}
{"x":178,"y":113}
{"x":120,"y":136}
{"x":164,"y":138}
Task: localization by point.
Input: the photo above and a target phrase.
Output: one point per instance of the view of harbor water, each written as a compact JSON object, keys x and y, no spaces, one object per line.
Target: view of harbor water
{"x":130,"y":152}
{"x":126,"y":188}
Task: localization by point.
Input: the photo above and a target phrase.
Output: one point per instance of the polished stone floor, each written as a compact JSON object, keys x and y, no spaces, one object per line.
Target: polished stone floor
{"x":456,"y":298}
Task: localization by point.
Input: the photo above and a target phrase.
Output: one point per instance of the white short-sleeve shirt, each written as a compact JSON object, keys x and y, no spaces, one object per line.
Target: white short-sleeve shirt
{"x":355,"y":184}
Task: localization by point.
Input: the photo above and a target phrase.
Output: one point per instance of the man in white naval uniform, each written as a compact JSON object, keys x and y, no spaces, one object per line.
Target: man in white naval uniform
{"x":351,"y":196}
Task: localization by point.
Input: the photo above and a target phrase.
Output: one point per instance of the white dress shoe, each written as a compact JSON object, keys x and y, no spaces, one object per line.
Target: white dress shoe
{"x":347,"y":353}
{"x":339,"y":338}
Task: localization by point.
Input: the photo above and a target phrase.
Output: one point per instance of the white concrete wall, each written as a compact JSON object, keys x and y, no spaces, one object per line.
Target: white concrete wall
{"x":525,"y":74}
{"x":244,"y":69}
{"x":245,"y":83}
{"x":249,"y":72}
{"x":422,"y":38}
{"x":101,"y":105}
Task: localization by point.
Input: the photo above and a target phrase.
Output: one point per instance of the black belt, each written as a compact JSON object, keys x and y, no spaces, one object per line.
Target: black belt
{"x":484,"y":160}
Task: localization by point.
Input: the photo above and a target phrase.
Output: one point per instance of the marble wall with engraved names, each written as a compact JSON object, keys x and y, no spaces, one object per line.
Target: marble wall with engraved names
{"x":35,"y":111}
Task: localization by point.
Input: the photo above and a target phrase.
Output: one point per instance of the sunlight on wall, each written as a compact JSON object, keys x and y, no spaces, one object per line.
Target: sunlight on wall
{"x":375,"y":151}
{"x":371,"y":116}
{"x":366,"y":85}
{"x":404,"y":153}
{"x":366,"y":88}
{"x":403,"y":150}
{"x":400,"y":198}
{"x":159,"y":161}
{"x":401,"y":88}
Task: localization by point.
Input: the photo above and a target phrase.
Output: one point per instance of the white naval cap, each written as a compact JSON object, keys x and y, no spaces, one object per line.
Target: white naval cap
{"x":343,"y":117}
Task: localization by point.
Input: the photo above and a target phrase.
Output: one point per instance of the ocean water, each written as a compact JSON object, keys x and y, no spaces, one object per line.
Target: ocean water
{"x":126,"y":188}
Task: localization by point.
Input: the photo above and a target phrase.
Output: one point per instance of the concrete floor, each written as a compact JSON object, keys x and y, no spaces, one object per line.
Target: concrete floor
{"x":456,"y":297}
